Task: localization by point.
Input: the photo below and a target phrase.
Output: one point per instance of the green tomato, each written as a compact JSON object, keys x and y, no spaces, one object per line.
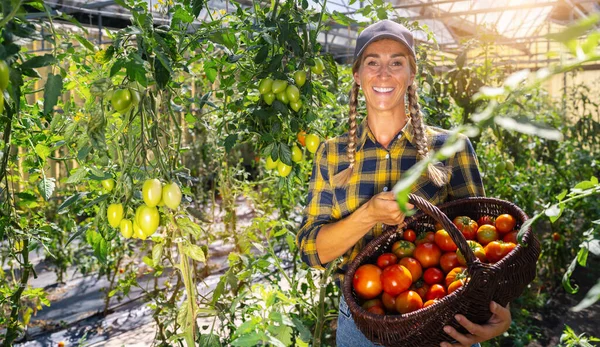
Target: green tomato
{"x":278,"y":86}
{"x":1,"y":101}
{"x":269,"y":98}
{"x":152,"y":192}
{"x":271,"y":164}
{"x":121,"y":100}
{"x":300,"y":78}
{"x":115,"y":214}
{"x":265,"y":86}
{"x":171,"y":195}
{"x":108,"y":184}
{"x":296,"y":106}
{"x":138,"y":233}
{"x":509,"y":165}
{"x":318,"y":67}
{"x":312,"y":142}
{"x":283,"y":169}
{"x":296,"y":154}
{"x":126,"y":228}
{"x":148,"y":219}
{"x":293,"y":93}
{"x":500,"y":166}
{"x":4,"y":75}
{"x":282,"y":96}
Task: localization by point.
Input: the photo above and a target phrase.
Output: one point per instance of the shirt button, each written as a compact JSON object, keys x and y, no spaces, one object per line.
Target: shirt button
{"x":387,"y":156}
{"x":385,"y":189}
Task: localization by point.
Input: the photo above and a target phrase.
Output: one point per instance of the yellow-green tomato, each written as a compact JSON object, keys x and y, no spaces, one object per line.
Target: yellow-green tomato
{"x":312,"y":142}
{"x":1,"y":102}
{"x":126,"y":228}
{"x":318,"y":67}
{"x":115,"y":214}
{"x":152,"y":192}
{"x":171,"y":195}
{"x":148,"y":219}
{"x":278,"y":86}
{"x":282,"y":96}
{"x":271,"y":164}
{"x":108,"y":184}
{"x":296,"y":105}
{"x":265,"y":86}
{"x":269,"y":98}
{"x":138,"y":233}
{"x":283,"y":169}
{"x":4,"y":75}
{"x":296,"y":154}
{"x":293,"y":93}
{"x":300,"y":78}
{"x":121,"y":100}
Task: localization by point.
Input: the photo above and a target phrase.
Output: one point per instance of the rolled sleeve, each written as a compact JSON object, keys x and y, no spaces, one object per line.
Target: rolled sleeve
{"x":466,"y":178}
{"x":317,"y":211}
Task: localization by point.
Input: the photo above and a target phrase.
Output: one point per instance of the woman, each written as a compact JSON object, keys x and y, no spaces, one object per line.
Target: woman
{"x":349,"y":195}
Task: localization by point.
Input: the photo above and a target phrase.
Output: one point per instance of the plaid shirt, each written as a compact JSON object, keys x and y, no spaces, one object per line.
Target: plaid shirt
{"x":376,"y":170}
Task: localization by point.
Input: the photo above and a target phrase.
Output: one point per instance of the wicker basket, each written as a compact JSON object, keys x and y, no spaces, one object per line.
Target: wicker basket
{"x":501,"y":282}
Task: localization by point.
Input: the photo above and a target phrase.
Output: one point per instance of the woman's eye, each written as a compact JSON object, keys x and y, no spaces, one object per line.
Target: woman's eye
{"x":372,"y":63}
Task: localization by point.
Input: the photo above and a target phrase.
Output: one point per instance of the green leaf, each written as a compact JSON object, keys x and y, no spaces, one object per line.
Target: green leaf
{"x":157,"y":251}
{"x":584,"y":185}
{"x":116,"y":67}
{"x":582,"y":256}
{"x":96,"y":201}
{"x":186,"y":225}
{"x":230,"y":141}
{"x":39,"y":61}
{"x":46,"y":187}
{"x":285,"y":154}
{"x":77,"y":176}
{"x":574,"y":31}
{"x":42,"y":151}
{"x":80,"y":230}
{"x":194,"y":252}
{"x":86,"y":43}
{"x":183,"y":16}
{"x":136,"y":71}
{"x":526,"y":126}
{"x":52,"y":90}
{"x":554,"y":212}
{"x":249,"y":340}
{"x":70,"y":201}
{"x":342,"y":19}
{"x":262,"y":54}
{"x":305,"y":333}
{"x":197,"y":6}
{"x":566,"y":280}
{"x":210,"y":70}
{"x":592,"y":296}
{"x":562,"y":195}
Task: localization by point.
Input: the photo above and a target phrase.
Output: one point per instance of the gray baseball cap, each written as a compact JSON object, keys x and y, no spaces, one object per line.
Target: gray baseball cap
{"x":385,"y":29}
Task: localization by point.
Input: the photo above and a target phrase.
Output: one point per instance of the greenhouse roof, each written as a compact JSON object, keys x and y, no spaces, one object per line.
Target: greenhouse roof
{"x":517,"y":28}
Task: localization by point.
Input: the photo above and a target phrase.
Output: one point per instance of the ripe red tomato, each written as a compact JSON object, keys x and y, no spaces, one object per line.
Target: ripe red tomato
{"x":467,"y":226}
{"x":302,"y":137}
{"x":505,"y":223}
{"x":494,"y":251}
{"x":389,"y":302}
{"x":556,"y":237}
{"x":448,"y":261}
{"x":428,"y":254}
{"x":486,"y":220}
{"x":433,"y":275}
{"x":377,"y":310}
{"x":486,"y":234}
{"x":408,"y":301}
{"x":395,"y":279}
{"x":372,"y":303}
{"x":511,"y":237}
{"x":444,"y":241}
{"x":386,"y":259}
{"x":477,"y":250}
{"x":409,"y":235}
{"x":456,"y":274}
{"x":403,"y":248}
{"x":421,"y":288}
{"x":508,"y":247}
{"x":367,"y":281}
{"x":436,"y":291}
{"x":425,"y":238}
{"x":413,"y":266}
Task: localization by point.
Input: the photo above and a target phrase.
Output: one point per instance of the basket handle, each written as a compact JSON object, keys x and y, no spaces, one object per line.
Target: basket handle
{"x":440,"y":217}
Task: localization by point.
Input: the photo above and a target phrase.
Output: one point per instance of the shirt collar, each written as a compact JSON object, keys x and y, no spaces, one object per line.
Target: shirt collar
{"x":363,"y":132}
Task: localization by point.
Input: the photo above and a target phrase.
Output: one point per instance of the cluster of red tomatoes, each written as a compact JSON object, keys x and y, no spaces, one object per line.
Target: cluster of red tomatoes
{"x":421,"y":269}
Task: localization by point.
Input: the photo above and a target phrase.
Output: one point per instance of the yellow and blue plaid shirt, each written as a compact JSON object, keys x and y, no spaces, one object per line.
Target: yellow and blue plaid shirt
{"x":376,"y":170}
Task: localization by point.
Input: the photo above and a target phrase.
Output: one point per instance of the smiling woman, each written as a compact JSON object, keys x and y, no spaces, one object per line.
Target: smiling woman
{"x":349,"y":196}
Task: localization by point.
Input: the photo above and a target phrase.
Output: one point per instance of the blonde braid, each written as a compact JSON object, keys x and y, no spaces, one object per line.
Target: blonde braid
{"x":438,"y":175}
{"x":342,"y":178}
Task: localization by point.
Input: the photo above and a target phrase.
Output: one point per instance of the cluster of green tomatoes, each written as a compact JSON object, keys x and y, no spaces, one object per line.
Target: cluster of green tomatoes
{"x":147,"y":218}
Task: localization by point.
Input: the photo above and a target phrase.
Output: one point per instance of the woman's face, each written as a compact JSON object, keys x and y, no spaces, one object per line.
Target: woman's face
{"x":384,"y":75}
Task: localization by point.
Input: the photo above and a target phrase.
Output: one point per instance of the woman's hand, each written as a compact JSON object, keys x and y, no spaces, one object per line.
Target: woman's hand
{"x":498,"y":324}
{"x":383,"y":208}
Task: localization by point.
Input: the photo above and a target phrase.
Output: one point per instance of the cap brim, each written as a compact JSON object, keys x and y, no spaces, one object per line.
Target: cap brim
{"x":385,"y":36}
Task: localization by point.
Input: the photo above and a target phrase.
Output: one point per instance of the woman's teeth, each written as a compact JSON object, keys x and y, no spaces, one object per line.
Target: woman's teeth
{"x":382,"y":90}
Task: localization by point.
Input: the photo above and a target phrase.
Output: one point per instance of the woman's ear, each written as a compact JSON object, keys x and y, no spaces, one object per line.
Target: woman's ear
{"x":356,"y":78}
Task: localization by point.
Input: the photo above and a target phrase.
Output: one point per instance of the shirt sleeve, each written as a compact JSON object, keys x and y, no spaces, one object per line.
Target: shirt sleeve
{"x":317,"y":211}
{"x":466,"y":178}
